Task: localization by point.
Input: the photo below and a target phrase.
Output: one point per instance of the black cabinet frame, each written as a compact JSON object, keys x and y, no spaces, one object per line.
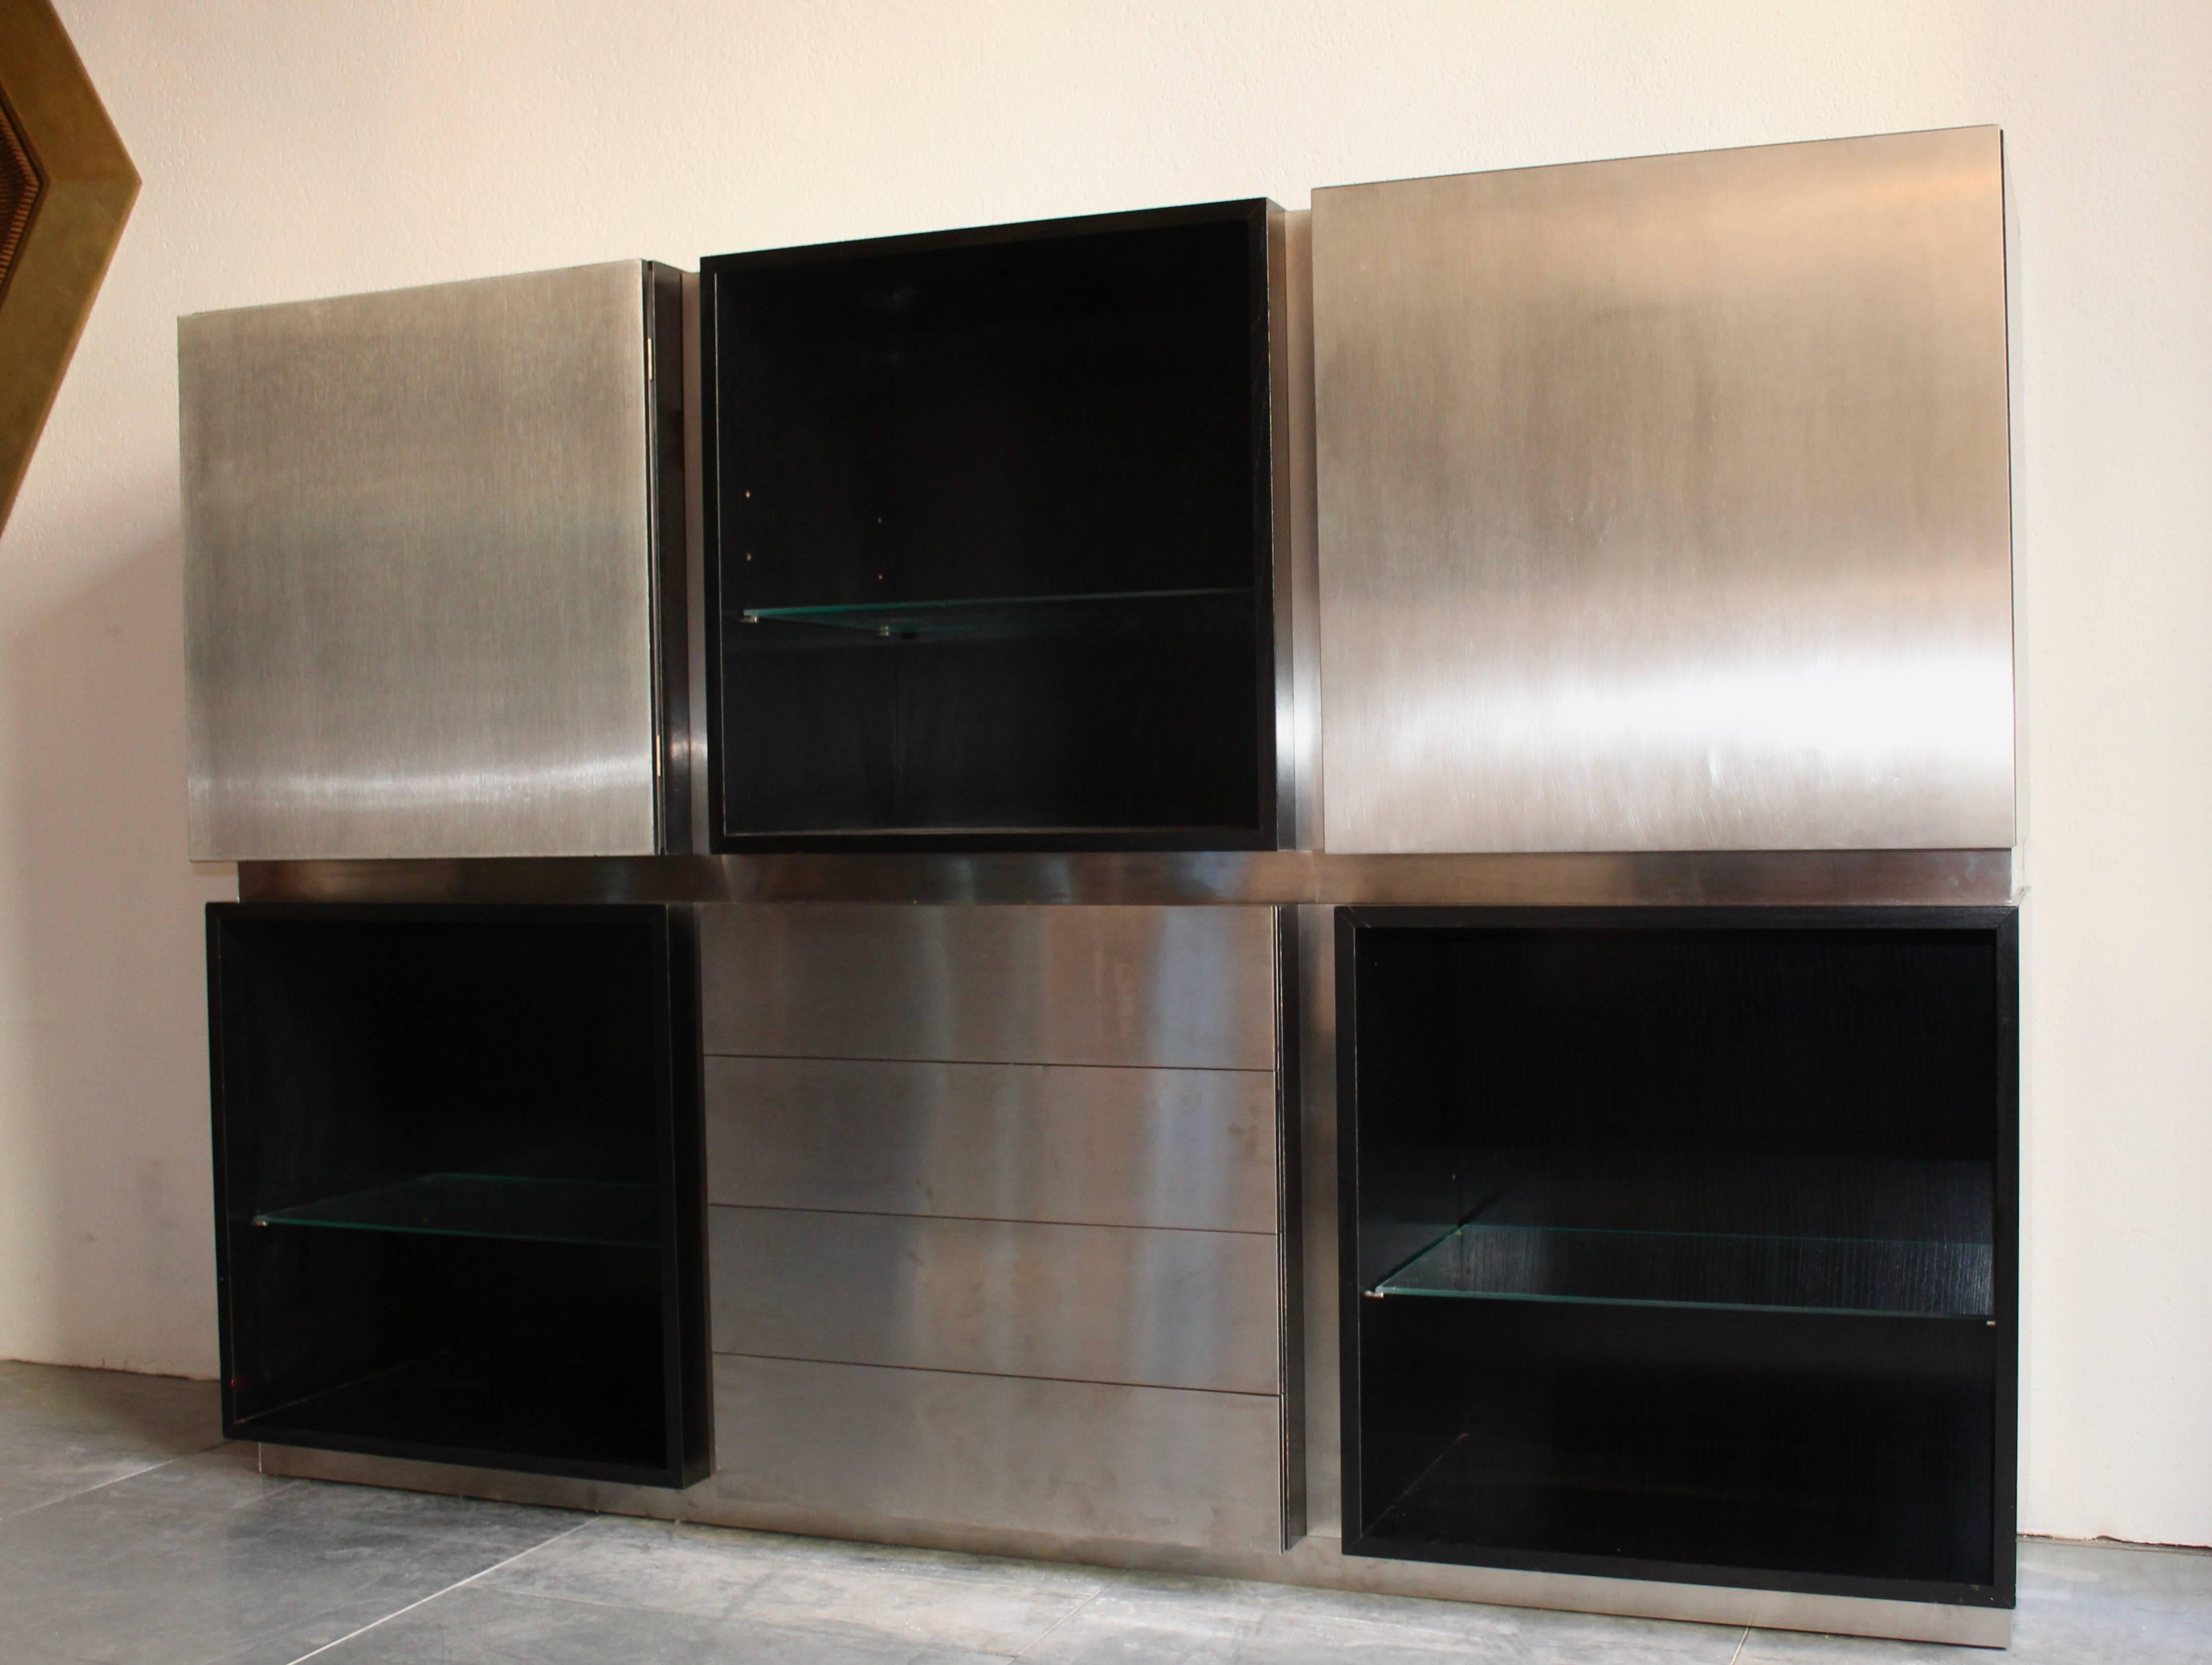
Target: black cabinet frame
{"x":1999,"y":925}
{"x":1269,"y":826}
{"x":671,"y":1205}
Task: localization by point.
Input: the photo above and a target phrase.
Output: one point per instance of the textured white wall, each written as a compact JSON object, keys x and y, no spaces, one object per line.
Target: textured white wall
{"x":294,"y":150}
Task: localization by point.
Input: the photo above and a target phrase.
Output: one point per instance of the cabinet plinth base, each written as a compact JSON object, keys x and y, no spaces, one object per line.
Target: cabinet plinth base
{"x":1315,"y":1562}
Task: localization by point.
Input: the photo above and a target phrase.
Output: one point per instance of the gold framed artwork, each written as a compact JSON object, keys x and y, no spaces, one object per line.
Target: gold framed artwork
{"x":66,"y":187}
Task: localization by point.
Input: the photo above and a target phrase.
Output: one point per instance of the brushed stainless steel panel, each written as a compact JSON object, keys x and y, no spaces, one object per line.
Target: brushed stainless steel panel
{"x":419,"y":578}
{"x":1318,"y":1380}
{"x":1157,"y":1465}
{"x":1673,"y":878}
{"x":671,"y":442}
{"x":1298,"y":559}
{"x":694,"y":764}
{"x":1189,"y":986}
{"x":1081,"y":1303}
{"x":1066,"y":1143}
{"x":1296,"y":639}
{"x":1664,"y":503}
{"x":1290,"y":1209}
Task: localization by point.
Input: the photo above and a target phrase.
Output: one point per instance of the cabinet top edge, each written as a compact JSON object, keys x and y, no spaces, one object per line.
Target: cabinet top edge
{"x":401,"y":292}
{"x":1985,"y":132}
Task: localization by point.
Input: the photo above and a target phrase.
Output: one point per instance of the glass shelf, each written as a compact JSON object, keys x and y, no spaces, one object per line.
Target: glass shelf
{"x":1901,"y":1277}
{"x":601,"y":1213}
{"x":996,"y":616}
{"x":1902,"y":1239}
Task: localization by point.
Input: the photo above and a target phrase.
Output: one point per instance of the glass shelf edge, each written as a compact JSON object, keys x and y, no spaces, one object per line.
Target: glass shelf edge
{"x":345,"y":1211}
{"x":1382,"y":1292}
{"x":1440,"y":1251}
{"x":1716,"y":1236}
{"x":574,"y":1240}
{"x":834,"y":609}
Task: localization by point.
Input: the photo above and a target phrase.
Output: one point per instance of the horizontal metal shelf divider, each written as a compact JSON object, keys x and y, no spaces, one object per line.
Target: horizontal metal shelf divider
{"x":1270,"y":1394}
{"x":989,"y":1219}
{"x":986,"y":1063}
{"x":1681,"y":878}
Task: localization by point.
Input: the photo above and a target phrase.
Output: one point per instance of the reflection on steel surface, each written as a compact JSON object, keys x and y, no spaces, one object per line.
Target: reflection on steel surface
{"x":1664,"y":503}
{"x":1091,"y":1460}
{"x":1190,"y":988}
{"x":1153,"y":1308}
{"x":1193,"y":1149}
{"x":1298,"y":582}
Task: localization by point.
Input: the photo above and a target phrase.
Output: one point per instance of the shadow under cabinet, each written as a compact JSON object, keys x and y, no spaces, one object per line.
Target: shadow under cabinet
{"x":459,"y":1199}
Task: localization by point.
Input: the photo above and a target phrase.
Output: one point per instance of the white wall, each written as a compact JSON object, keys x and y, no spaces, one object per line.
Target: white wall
{"x":292,"y":148}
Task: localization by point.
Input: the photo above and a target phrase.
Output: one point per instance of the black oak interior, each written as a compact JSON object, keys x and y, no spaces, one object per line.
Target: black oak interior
{"x":1681,"y":1244}
{"x":991,"y":536}
{"x":458,"y":1177}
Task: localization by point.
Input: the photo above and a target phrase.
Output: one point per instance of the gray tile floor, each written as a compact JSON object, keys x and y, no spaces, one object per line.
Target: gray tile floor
{"x":131,"y":1535}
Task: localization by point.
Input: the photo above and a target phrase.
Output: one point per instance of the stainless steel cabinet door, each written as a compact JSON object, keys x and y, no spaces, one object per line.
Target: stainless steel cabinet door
{"x":419,"y":584}
{"x":1072,"y":1144}
{"x":1161,"y":987}
{"x":1005,"y":1297}
{"x":1664,"y":503}
{"x":1077,"y":1459}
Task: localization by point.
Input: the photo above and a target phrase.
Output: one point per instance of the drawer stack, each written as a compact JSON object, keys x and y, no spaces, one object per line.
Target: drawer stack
{"x":996,"y":1216}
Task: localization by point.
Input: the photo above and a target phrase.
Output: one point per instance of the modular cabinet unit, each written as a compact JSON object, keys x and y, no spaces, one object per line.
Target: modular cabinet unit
{"x":992,"y":529}
{"x":998,"y":1198}
{"x":434,"y":570}
{"x":1682,"y":1244}
{"x":1664,"y":502}
{"x":458,"y":1193}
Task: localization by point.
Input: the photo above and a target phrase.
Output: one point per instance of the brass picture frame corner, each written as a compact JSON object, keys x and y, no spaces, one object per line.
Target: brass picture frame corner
{"x":67,"y":187}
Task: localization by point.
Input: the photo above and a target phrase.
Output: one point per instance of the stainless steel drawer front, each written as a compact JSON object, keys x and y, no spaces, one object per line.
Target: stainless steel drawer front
{"x":1664,"y":503}
{"x":1191,"y":987}
{"x":1068,"y":1143}
{"x":1083,"y":1302}
{"x":418,"y":590}
{"x":1156,"y":1465}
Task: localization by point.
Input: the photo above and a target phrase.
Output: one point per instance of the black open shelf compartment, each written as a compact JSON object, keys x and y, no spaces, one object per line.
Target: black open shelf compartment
{"x":990,"y":535}
{"x":459,"y":1209}
{"x":1707,"y":1332}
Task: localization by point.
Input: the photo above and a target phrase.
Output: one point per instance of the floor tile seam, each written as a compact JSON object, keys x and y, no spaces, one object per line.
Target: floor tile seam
{"x":1067,"y":1618}
{"x":939,"y":1584}
{"x":786,"y":1626}
{"x":790,"y":1626}
{"x":13,"y":1515}
{"x":460,"y":1584}
{"x":504,"y":1587}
